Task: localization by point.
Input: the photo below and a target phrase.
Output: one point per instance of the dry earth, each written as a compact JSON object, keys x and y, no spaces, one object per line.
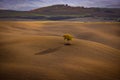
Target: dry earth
{"x":35,"y":50}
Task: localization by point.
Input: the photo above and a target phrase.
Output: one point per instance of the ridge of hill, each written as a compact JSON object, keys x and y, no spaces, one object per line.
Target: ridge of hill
{"x":69,"y":10}
{"x":62,"y":12}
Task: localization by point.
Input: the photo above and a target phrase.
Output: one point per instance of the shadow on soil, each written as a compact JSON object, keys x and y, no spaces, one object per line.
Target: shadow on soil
{"x":49,"y":50}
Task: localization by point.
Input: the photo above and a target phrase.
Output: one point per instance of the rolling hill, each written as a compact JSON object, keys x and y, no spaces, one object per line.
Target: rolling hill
{"x":35,"y":50}
{"x":63,"y":12}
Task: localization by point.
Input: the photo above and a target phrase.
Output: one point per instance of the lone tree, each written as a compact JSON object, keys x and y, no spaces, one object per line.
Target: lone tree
{"x":67,"y":39}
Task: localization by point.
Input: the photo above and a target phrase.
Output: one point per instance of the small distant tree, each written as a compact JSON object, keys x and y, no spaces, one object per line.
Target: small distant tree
{"x":67,"y":39}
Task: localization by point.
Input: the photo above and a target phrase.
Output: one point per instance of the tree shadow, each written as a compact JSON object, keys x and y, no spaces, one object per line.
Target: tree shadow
{"x":67,"y":44}
{"x":49,"y":50}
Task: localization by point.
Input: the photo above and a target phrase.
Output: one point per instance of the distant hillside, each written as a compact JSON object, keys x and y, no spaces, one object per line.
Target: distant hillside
{"x":68,"y":10}
{"x":62,"y":12}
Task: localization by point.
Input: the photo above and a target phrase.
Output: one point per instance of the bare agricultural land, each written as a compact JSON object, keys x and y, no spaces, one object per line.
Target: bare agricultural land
{"x":35,"y":50}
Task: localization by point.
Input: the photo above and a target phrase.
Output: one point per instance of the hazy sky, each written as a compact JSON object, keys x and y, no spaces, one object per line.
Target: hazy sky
{"x":31,"y":4}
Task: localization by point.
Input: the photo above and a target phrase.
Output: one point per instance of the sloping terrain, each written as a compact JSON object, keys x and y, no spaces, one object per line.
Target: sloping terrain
{"x":70,"y":10}
{"x":63,"y":12}
{"x":35,"y":50}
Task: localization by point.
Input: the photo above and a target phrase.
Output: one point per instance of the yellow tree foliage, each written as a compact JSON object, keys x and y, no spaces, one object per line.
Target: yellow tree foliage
{"x":68,"y":38}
